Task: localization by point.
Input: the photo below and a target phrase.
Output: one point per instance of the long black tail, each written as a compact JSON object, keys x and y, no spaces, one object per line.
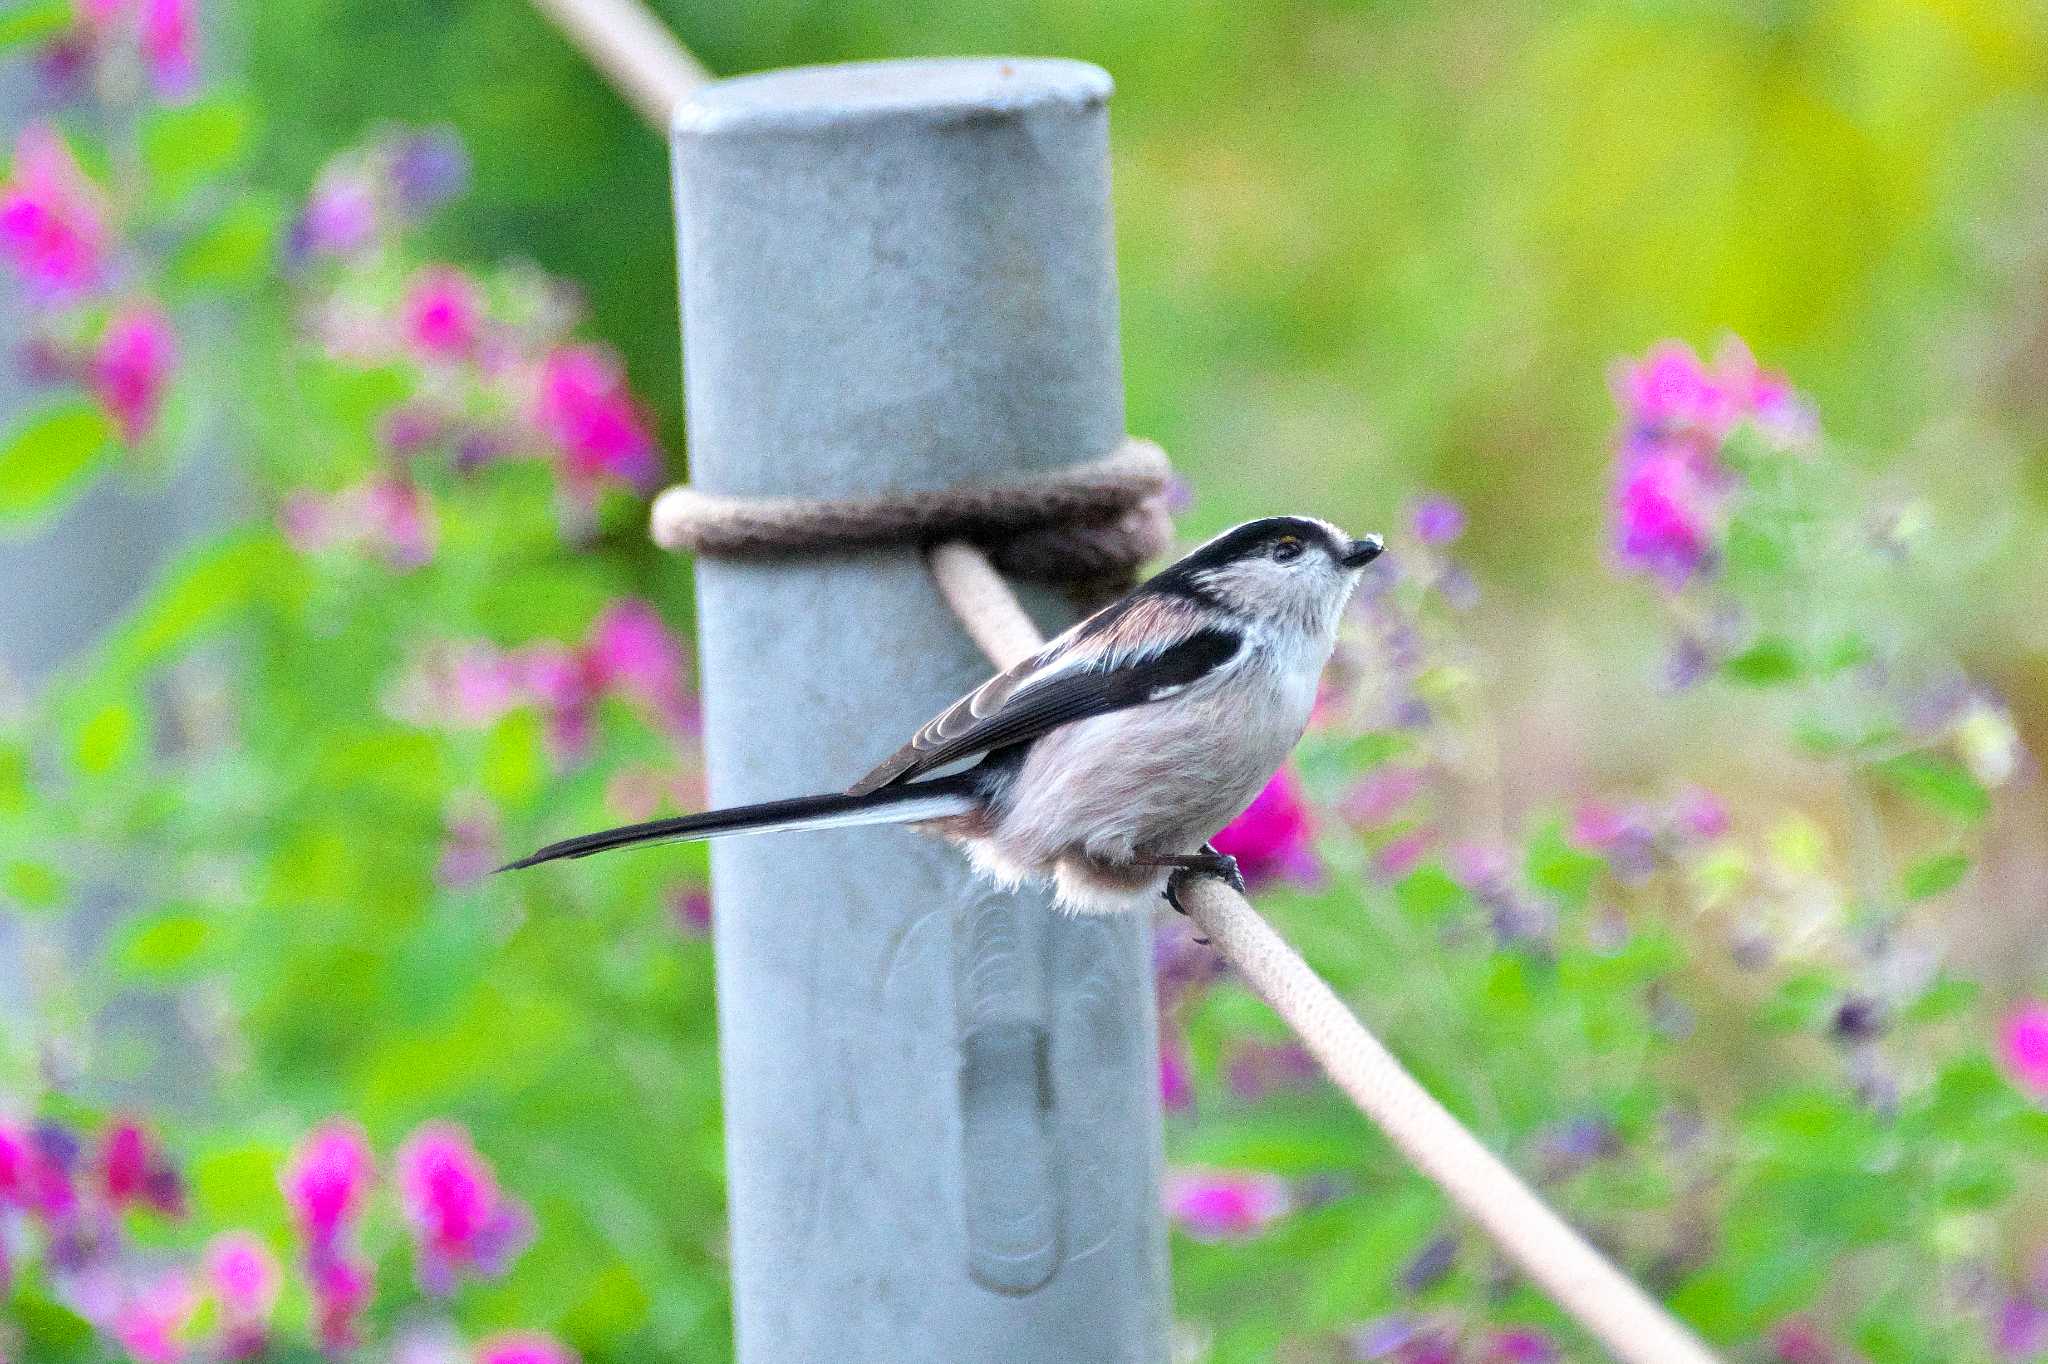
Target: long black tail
{"x":891,"y":805}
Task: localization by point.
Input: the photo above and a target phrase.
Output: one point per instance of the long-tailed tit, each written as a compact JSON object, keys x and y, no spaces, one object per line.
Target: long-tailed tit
{"x":1105,"y":761}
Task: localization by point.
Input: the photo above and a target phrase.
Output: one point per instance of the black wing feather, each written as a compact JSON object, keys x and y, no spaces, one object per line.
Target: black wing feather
{"x":1012,"y":709}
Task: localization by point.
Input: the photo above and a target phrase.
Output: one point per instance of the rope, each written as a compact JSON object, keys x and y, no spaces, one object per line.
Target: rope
{"x":1087,"y":524}
{"x":631,"y":47}
{"x":633,"y":50}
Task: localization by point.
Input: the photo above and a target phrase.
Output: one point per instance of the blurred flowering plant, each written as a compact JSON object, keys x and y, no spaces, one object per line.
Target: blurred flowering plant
{"x":100,"y":1245}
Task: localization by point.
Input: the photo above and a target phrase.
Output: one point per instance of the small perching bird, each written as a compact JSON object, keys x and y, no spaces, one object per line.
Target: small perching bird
{"x":1107,"y":760}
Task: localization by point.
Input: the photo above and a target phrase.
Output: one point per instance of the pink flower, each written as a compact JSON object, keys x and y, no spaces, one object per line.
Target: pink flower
{"x":2023,"y":1046}
{"x":388,"y":515}
{"x":246,"y":1281}
{"x":633,"y":653}
{"x":1671,"y":389}
{"x":149,"y":1321}
{"x":1699,"y":813}
{"x":341,"y":1288}
{"x":52,"y":218}
{"x":1667,"y":511}
{"x":585,"y":409}
{"x":169,"y":34}
{"x":523,"y":1347}
{"x":443,"y":313}
{"x":1798,"y":1340}
{"x":1272,"y":838}
{"x":1404,"y":854}
{"x":459,"y":1217}
{"x":327,"y":1180}
{"x":1380,"y":795}
{"x":691,"y":907}
{"x":1223,"y":1205}
{"x":132,"y":366}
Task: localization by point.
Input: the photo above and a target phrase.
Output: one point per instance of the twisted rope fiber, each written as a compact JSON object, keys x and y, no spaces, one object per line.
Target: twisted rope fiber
{"x":1087,"y":524}
{"x":631,"y":46}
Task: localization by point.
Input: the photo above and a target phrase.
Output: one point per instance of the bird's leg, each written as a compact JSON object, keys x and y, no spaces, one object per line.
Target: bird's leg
{"x":1207,"y":862}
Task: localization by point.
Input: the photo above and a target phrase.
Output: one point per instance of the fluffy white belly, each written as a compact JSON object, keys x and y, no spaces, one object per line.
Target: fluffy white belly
{"x":1158,"y":778}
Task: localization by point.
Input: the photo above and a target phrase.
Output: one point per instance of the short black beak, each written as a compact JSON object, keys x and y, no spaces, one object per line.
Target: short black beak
{"x":1363,"y":552}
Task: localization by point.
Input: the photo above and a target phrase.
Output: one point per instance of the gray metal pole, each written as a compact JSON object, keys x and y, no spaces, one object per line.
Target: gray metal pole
{"x":942,"y":1125}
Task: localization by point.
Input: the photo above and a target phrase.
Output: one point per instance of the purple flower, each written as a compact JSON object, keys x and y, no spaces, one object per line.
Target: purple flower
{"x":1621,"y":834}
{"x":135,"y":1172}
{"x":53,"y":228}
{"x":1799,"y":1340}
{"x":340,"y":217}
{"x":1381,"y":1338}
{"x":428,"y":169}
{"x":1698,"y":813}
{"x":150,"y":1321}
{"x":386,"y":515}
{"x":1427,"y":1267}
{"x":1272,"y":838}
{"x":2019,"y":1331}
{"x":1395,"y":859}
{"x":1436,"y":520}
{"x":2023,"y":1046}
{"x":691,"y":908}
{"x":1224,"y":1205}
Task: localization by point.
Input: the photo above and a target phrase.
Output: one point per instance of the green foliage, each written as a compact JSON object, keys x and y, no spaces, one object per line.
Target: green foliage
{"x":47,"y":457}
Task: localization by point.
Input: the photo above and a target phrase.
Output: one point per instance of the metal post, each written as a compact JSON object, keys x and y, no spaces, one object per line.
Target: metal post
{"x":941,"y":1102}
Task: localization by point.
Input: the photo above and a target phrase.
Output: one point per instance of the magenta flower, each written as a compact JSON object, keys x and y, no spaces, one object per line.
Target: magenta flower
{"x":2023,"y":1046}
{"x":443,"y":313}
{"x":586,"y":410}
{"x":170,"y":33}
{"x":523,"y":1347}
{"x":1698,"y":813}
{"x":246,"y":1280}
{"x":17,"y":1158}
{"x":131,"y":368}
{"x":341,"y":1286}
{"x":1521,"y":1345}
{"x":135,"y":1172}
{"x":1224,"y":1205}
{"x":1799,"y":1340}
{"x":1272,"y":838}
{"x":1671,"y":390}
{"x":53,"y":227}
{"x":1667,"y":513}
{"x":327,"y":1180}
{"x":459,"y":1217}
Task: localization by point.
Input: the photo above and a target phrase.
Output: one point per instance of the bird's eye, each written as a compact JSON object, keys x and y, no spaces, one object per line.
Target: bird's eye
{"x":1286,"y":549}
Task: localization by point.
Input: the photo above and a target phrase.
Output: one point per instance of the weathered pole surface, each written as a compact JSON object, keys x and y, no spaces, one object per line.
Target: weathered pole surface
{"x":941,"y":1101}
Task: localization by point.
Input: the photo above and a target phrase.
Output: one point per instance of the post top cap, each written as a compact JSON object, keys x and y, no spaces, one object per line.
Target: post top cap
{"x":806,"y":98}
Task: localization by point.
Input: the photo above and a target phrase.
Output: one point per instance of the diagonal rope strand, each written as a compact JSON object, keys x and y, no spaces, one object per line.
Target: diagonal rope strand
{"x":655,"y":72}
